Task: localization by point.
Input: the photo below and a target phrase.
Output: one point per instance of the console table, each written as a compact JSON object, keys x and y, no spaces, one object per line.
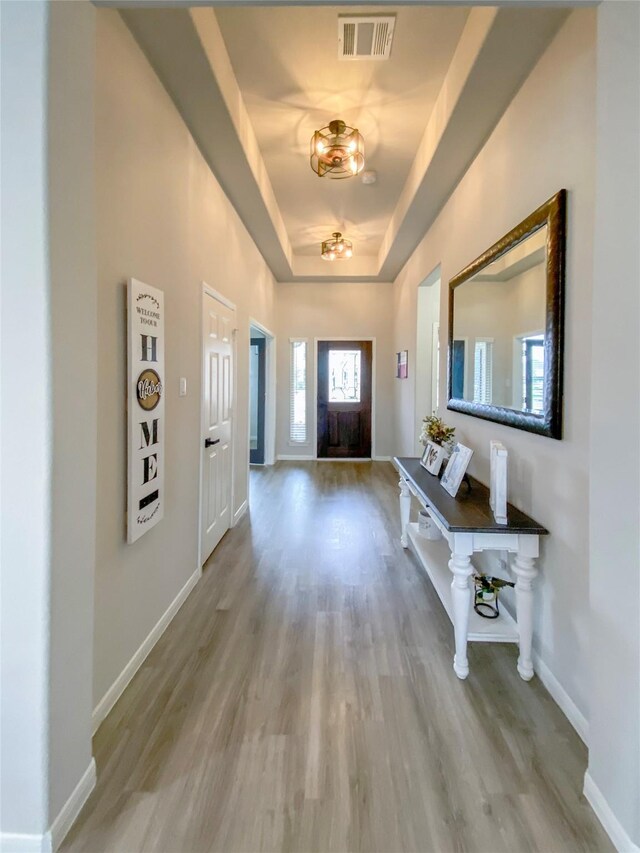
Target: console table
{"x":468,"y":526}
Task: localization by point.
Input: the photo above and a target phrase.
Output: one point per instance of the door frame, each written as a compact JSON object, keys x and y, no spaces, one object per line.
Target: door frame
{"x":207,"y":290}
{"x":314,"y":398}
{"x":270,"y":392}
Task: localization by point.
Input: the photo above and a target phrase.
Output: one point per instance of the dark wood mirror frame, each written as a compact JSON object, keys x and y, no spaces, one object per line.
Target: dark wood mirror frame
{"x":553,"y":214}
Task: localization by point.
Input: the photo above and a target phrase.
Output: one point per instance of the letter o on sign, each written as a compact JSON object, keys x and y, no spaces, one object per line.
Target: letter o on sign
{"x":148,"y":389}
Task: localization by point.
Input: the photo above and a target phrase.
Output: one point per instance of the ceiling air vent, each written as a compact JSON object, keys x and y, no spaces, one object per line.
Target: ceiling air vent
{"x":365,"y":38}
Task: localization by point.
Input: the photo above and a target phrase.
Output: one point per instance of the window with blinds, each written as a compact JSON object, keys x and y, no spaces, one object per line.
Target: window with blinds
{"x":483,"y":371}
{"x":298,"y":393}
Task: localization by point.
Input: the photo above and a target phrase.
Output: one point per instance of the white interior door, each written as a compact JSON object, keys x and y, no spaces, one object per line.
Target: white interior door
{"x":217,"y":409}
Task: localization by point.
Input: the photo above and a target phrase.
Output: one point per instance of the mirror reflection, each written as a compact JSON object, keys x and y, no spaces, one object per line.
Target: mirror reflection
{"x":498,"y":350}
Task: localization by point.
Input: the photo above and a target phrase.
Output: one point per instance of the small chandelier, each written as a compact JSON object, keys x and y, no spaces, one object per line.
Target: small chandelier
{"x":337,"y":150}
{"x":336,"y":248}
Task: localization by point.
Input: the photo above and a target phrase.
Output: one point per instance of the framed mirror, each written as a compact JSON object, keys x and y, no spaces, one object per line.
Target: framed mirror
{"x":506,"y":312}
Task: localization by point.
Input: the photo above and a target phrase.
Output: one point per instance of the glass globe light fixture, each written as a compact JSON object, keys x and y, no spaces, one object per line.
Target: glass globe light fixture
{"x":337,"y":150}
{"x":337,"y":248}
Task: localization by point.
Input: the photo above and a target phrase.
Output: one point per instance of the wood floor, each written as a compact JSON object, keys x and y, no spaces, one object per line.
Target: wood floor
{"x":303,"y":699}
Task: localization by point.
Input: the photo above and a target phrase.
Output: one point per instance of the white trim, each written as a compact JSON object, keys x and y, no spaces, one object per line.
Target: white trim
{"x":381,"y":459}
{"x":314,"y":420}
{"x":14,"y":842}
{"x":612,"y":826}
{"x":71,"y":809}
{"x":50,"y":840}
{"x":237,"y":515}
{"x":562,"y":698}
{"x":119,"y":685}
{"x":287,"y":457}
{"x":344,"y":459}
{"x":217,"y":295}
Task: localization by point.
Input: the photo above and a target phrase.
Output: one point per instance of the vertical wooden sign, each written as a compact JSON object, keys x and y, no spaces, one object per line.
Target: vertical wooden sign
{"x":145,"y":401}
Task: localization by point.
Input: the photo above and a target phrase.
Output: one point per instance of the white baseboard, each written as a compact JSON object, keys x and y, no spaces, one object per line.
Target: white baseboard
{"x":237,"y":515}
{"x":562,"y":698}
{"x":71,"y":809}
{"x":609,"y":821}
{"x":286,"y":457}
{"x":344,"y":459}
{"x":117,"y":688}
{"x":49,"y":841}
{"x":14,"y":842}
{"x":382,"y":459}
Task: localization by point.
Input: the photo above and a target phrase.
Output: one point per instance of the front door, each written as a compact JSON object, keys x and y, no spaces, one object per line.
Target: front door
{"x":344,"y":399}
{"x":216,"y":435}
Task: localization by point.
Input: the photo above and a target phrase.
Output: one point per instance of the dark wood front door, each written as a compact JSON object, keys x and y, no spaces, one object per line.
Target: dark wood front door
{"x":344,"y":399}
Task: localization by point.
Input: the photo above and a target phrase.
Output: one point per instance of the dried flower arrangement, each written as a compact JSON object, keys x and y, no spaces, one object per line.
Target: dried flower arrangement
{"x":434,"y":429}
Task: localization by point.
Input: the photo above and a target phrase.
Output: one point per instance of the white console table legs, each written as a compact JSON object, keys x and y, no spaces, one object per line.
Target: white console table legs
{"x":460,"y":565}
{"x":525,"y":571}
{"x":405,"y":511}
{"x":463,"y":545}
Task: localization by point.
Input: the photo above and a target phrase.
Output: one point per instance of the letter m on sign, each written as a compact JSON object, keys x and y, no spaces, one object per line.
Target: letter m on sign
{"x":148,"y":436}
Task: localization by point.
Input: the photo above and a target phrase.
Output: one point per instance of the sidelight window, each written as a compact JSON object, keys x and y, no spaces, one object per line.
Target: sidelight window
{"x":483,"y":371}
{"x":533,"y":374}
{"x":298,"y":393}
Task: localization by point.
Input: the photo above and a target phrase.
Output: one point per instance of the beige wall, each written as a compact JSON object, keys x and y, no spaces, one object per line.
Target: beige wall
{"x":544,"y":141}
{"x":333,"y":310}
{"x":162,"y":218}
{"x":613,"y":781}
{"x":49,"y":395}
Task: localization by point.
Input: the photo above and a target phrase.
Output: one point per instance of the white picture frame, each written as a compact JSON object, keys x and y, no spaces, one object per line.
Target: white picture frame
{"x":498,"y":456}
{"x":433,"y":457}
{"x":145,"y":405}
{"x":456,"y":469}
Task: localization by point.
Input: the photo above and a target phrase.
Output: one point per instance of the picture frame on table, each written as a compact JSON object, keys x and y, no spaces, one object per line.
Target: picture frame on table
{"x":432,"y":457}
{"x":456,"y":469}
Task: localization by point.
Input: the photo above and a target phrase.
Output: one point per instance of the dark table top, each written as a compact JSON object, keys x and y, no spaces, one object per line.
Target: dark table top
{"x":469,"y":511}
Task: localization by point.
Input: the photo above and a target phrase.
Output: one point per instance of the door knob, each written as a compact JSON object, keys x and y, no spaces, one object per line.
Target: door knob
{"x":209,"y":442}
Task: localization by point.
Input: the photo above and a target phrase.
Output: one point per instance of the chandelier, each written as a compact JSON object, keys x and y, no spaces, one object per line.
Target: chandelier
{"x":337,"y":150}
{"x":336,"y":248}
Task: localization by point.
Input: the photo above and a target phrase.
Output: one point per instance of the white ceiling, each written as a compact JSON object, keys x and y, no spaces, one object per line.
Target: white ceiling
{"x":253,"y":83}
{"x":286,"y":64}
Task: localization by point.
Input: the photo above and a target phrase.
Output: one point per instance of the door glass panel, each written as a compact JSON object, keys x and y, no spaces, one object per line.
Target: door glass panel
{"x":344,"y":376}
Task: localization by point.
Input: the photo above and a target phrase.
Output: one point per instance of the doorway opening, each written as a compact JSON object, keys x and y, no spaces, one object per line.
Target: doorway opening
{"x":262,"y":394}
{"x":428,"y":392}
{"x":257,"y":396}
{"x":344,"y":399}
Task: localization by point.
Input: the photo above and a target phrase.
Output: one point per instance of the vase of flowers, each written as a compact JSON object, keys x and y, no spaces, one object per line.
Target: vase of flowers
{"x":435,"y":430}
{"x":437,"y":439}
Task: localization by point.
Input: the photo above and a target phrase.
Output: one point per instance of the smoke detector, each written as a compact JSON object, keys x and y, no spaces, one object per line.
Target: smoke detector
{"x":367,"y":37}
{"x":369,"y":177}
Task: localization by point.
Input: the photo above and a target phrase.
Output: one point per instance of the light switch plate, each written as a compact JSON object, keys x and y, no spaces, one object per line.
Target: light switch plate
{"x":183,"y":386}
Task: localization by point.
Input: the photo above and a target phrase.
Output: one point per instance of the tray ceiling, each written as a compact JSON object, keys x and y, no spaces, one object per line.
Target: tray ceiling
{"x":253,"y":82}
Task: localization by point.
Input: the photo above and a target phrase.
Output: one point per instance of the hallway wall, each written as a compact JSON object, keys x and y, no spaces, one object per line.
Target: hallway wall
{"x":327,"y":310}
{"x":162,"y":218}
{"x":544,"y":141}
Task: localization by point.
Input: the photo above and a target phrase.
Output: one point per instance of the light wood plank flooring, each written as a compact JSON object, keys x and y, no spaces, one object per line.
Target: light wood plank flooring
{"x":303,"y":700}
